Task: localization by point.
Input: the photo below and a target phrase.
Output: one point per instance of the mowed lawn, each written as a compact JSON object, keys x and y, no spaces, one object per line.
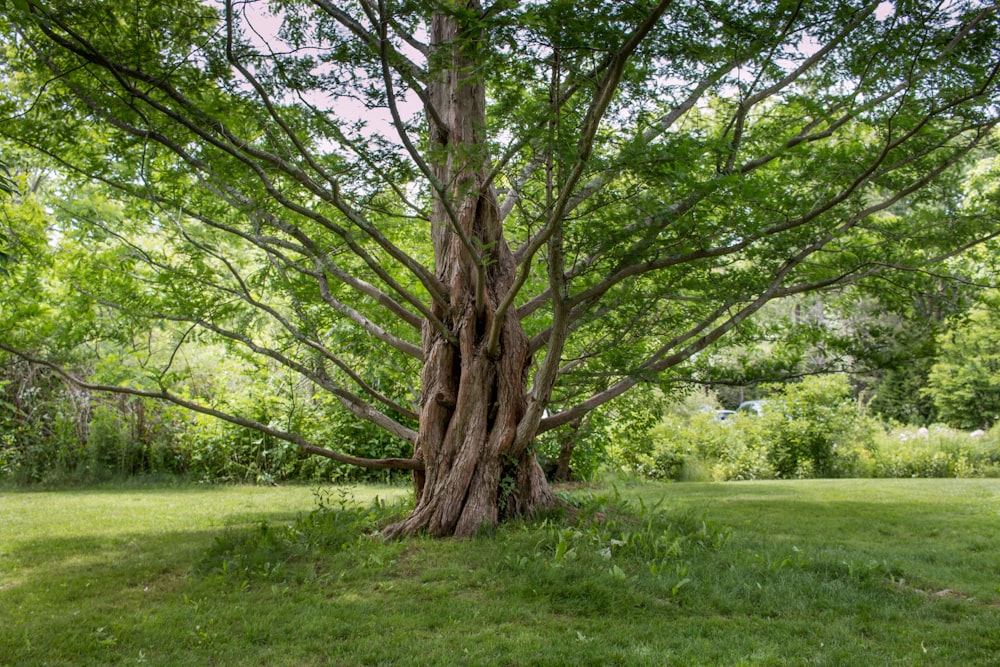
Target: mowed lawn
{"x":826,"y":572}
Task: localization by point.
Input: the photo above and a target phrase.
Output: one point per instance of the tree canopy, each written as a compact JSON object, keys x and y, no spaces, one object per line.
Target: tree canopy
{"x":474,"y":224}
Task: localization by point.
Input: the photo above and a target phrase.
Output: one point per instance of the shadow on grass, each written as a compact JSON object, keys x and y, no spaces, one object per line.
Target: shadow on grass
{"x":37,"y":565}
{"x":928,"y":546}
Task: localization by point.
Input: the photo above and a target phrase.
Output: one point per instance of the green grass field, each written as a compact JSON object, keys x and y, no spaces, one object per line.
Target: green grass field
{"x":845,"y":572}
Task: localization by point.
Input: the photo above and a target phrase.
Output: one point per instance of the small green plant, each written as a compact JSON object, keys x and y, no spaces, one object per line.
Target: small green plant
{"x":507,"y":491}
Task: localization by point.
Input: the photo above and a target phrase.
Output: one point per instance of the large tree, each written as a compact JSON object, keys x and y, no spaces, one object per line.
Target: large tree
{"x":524,"y":204}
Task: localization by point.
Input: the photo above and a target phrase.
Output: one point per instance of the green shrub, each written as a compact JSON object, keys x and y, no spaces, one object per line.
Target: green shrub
{"x":936,"y":452}
{"x":809,"y":429}
{"x":747,"y":457}
{"x":699,"y":447}
{"x":328,"y":423}
{"x":815,"y":427}
{"x":615,"y":434}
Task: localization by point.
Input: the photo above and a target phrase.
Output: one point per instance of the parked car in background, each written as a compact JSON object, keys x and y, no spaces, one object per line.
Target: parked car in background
{"x":723,"y":415}
{"x":755,"y":408}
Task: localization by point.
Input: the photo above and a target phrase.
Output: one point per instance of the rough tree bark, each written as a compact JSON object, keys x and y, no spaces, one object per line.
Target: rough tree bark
{"x":473,"y":474}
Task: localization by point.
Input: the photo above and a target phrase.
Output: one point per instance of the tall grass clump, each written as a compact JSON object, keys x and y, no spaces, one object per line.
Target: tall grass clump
{"x":938,"y":451}
{"x":336,"y":527}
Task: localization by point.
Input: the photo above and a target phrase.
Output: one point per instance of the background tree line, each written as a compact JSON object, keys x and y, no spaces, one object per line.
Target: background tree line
{"x":917,"y":351}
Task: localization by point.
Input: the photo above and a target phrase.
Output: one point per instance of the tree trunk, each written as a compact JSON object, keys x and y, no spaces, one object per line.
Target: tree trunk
{"x":473,"y":399}
{"x":561,"y":471}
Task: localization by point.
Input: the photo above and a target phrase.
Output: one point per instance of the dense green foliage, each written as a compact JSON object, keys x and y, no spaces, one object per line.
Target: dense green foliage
{"x":810,"y":429}
{"x":964,"y":382}
{"x":54,"y":433}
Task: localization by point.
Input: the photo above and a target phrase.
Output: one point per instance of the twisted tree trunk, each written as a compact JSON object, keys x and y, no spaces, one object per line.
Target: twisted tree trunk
{"x":473,"y":398}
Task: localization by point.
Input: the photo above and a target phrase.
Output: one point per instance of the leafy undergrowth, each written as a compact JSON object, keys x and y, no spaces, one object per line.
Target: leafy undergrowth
{"x":826,"y":573}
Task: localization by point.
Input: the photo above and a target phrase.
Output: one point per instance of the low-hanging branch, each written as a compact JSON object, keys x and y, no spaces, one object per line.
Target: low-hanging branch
{"x":664,"y":358}
{"x":288,"y":228}
{"x":244,"y":151}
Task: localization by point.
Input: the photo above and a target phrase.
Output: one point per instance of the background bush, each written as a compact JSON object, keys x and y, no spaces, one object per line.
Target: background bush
{"x":808,"y":429}
{"x":54,"y":433}
{"x":937,"y":451}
